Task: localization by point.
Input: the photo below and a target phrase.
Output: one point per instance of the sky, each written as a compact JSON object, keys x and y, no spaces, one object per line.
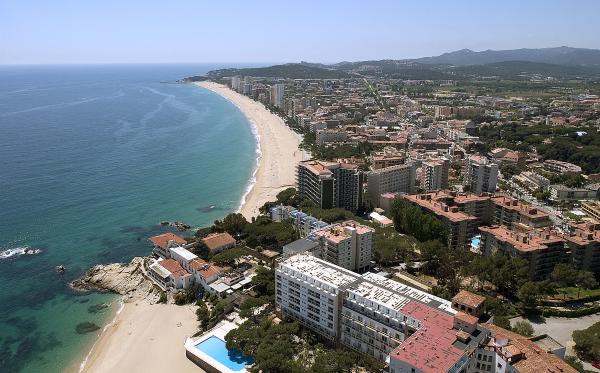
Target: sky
{"x":187,"y":31}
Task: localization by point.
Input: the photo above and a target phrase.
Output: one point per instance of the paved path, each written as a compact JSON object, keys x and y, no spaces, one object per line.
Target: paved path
{"x":561,"y":329}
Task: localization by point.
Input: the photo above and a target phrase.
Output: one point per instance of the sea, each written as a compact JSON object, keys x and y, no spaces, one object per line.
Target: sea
{"x":92,"y":159}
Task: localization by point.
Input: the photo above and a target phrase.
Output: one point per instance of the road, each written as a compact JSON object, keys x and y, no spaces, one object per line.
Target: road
{"x":561,"y":329}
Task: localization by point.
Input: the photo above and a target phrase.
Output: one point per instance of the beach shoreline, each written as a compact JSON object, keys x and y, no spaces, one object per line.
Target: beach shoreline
{"x":144,"y":337}
{"x":276,"y":160}
{"x":150,"y":337}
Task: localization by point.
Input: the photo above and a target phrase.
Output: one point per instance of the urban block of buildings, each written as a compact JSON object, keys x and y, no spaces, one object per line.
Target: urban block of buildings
{"x":410,"y":330}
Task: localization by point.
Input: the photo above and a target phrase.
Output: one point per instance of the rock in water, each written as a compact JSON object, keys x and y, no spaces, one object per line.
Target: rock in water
{"x":86,"y":327}
{"x":97,"y":307}
{"x":125,"y":279}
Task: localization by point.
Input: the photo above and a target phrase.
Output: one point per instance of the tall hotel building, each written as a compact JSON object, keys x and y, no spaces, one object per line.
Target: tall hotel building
{"x":393,"y":179}
{"x":276,"y":95}
{"x":481,"y":174}
{"x":412,"y":331}
{"x":330,"y":184}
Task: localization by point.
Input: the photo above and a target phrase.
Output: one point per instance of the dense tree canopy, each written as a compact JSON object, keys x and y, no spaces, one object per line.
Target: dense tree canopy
{"x":411,"y":220}
{"x":587,"y":343}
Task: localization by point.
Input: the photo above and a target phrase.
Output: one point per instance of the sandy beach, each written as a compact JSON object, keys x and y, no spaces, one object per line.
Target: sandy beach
{"x":145,"y":338}
{"x":278,"y":145}
{"x":150,"y":338}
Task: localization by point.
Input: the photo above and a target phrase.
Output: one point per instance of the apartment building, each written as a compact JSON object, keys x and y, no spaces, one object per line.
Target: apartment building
{"x":276,"y":95}
{"x":461,"y":226}
{"x":542,"y":248}
{"x":387,"y":157}
{"x":434,"y":174}
{"x":330,"y":184}
{"x":584,"y":243}
{"x":509,"y":211}
{"x":393,"y":179}
{"x":331,"y":136}
{"x":310,"y":290}
{"x":348,"y":245}
{"x":481,"y":174}
{"x":592,"y":209}
{"x":303,"y":223}
{"x":412,"y":330}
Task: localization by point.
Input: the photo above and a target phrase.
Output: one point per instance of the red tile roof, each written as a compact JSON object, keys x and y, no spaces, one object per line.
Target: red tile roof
{"x":205,"y":269}
{"x":174,"y":267}
{"x":430,"y":349}
{"x":534,"y":359}
{"x":217,"y":241}
{"x":469,"y":299}
{"x":163,"y":239}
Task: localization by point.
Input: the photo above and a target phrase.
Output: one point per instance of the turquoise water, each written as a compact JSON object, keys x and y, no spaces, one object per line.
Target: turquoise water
{"x":92,"y":158}
{"x":215,"y":347}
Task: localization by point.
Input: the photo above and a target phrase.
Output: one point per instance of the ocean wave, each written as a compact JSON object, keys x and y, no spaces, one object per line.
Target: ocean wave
{"x":258,"y":152}
{"x":17,"y":251}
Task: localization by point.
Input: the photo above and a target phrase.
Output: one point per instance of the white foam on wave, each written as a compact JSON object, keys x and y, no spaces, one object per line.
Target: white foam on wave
{"x":258,"y":153}
{"x":17,"y":251}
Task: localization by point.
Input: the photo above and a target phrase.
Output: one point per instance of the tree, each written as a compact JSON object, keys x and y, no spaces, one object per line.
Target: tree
{"x":565,"y":275}
{"x":264,"y":281}
{"x":574,"y":362}
{"x":524,"y":328}
{"x":202,"y":314}
{"x":228,"y":257}
{"x":587,"y":343}
{"x":411,"y":220}
{"x":585,"y":280}
{"x":503,"y":322}
{"x":234,"y":224}
{"x":201,"y":249}
{"x":529,"y":294}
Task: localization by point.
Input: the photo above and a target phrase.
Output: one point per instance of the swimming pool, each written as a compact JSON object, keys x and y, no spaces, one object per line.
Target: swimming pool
{"x":233,"y":359}
{"x":475,"y":242}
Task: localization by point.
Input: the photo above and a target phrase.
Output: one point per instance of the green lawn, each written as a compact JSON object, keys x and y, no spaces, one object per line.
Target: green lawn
{"x":572,"y":292}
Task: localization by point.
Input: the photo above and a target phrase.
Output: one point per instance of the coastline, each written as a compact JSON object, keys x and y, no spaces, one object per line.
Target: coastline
{"x":150,"y":337}
{"x":144,"y":337}
{"x":276,"y":160}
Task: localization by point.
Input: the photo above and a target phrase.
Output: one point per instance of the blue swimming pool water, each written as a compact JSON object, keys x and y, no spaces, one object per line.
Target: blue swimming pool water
{"x":233,"y":359}
{"x":475,"y":242}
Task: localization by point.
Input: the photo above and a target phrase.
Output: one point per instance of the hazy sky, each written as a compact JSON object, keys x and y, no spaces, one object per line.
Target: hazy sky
{"x":85,"y":31}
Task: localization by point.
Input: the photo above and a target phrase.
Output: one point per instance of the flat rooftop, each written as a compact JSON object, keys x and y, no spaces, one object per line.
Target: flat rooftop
{"x":402,"y":290}
{"x":524,"y":241}
{"x":185,"y":254}
{"x":438,"y":208}
{"x":325,"y":272}
{"x":339,"y":232}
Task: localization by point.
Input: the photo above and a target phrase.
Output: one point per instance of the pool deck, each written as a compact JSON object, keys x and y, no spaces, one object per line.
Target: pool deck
{"x":204,"y":360}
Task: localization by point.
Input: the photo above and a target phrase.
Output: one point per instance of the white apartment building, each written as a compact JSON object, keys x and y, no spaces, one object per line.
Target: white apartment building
{"x":481,"y":174}
{"x":348,"y":245}
{"x":277,"y":93}
{"x":309,"y":289}
{"x":413,"y":331}
{"x":393,"y":179}
{"x":330,"y":136}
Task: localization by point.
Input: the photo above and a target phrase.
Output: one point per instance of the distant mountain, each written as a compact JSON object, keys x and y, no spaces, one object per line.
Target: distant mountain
{"x":288,"y":71}
{"x":557,"y":56}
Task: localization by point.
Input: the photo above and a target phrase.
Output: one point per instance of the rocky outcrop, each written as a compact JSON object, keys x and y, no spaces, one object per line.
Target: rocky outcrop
{"x":127,"y":279}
